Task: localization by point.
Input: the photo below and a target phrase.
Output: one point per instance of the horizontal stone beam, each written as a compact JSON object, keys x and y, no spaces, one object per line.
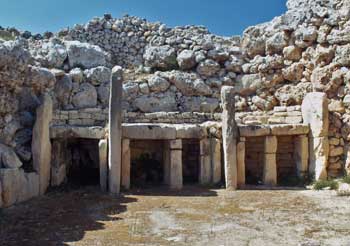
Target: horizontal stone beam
{"x":66,"y":131}
{"x":276,"y":130}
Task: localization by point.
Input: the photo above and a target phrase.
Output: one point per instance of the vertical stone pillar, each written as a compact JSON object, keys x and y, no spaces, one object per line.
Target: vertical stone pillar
{"x":58,"y":162}
{"x":215,"y":158}
{"x":41,"y":145}
{"x":126,"y":162}
{"x":301,"y":155}
{"x":115,"y":130}
{"x":241,"y":162}
{"x":176,"y":164}
{"x":103,"y":156}
{"x":270,"y":165}
{"x":315,"y":113}
{"x":205,"y":170}
{"x":166,"y":162}
{"x":229,"y":134}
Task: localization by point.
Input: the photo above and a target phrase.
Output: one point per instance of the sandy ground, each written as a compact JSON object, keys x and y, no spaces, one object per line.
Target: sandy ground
{"x":195,"y":216}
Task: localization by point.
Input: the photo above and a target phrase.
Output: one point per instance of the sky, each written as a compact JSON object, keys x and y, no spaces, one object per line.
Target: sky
{"x":222,"y":17}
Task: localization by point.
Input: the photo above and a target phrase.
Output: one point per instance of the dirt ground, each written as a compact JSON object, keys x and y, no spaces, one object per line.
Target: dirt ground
{"x":195,"y":216}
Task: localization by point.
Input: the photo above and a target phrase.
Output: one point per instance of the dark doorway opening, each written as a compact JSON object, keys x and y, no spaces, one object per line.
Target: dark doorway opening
{"x":190,"y":161}
{"x":286,"y":165}
{"x":254,"y":160}
{"x":147,"y":163}
{"x":83,"y":169}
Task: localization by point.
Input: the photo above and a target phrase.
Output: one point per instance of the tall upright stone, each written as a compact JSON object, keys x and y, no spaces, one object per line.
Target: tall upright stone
{"x":241,"y":162}
{"x":126,"y":162}
{"x":215,"y":149}
{"x":103,"y":156}
{"x":176,"y":179}
{"x":41,"y":145}
{"x":229,"y":134}
{"x":301,"y":155}
{"x":205,"y":170}
{"x":315,"y":113}
{"x":115,"y":131}
{"x":270,"y":164}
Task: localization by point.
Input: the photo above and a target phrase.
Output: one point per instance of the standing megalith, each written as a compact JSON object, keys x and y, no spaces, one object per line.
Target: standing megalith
{"x":41,"y":145}
{"x":315,"y":113}
{"x":115,"y":131}
{"x":229,"y":134}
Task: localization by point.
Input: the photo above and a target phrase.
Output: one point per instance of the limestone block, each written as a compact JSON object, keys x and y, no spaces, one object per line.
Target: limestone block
{"x":301,"y":155}
{"x":103,"y":163}
{"x":270,"y":170}
{"x":115,"y":131}
{"x":205,"y":162}
{"x":166,"y":164}
{"x":270,"y":145}
{"x":315,"y":112}
{"x":149,"y":131}
{"x":9,"y":180}
{"x":241,"y":164}
{"x":176,"y":180}
{"x":30,"y":186}
{"x":126,"y":162}
{"x":58,"y":162}
{"x":190,"y":131}
{"x":41,"y":145}
{"x":215,"y":154}
{"x":229,"y":134}
{"x":318,"y":162}
{"x":287,"y":129}
{"x":96,"y":132}
{"x":254,"y":130}
{"x":175,"y":144}
{"x":8,"y":157}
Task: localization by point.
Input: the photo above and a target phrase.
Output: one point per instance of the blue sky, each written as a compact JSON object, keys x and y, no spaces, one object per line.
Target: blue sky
{"x":223,"y":17}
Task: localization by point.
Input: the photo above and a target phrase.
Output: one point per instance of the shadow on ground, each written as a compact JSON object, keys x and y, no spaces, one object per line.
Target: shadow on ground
{"x":59,"y":217}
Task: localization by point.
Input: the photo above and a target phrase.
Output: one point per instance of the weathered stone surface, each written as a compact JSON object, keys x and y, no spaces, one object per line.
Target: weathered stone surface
{"x":149,"y":104}
{"x":229,"y":134}
{"x":343,"y":189}
{"x":149,"y":131}
{"x":289,"y":129}
{"x":301,"y":155}
{"x":241,"y":164}
{"x":163,"y":57}
{"x":158,"y":84}
{"x":319,"y":151}
{"x":176,"y":180}
{"x":208,"y":68}
{"x":315,"y":113}
{"x":215,"y":153}
{"x":126,"y":164}
{"x":98,"y":75}
{"x":8,"y":157}
{"x":205,"y":170}
{"x":11,"y":185}
{"x":188,"y":83}
{"x":96,"y":132}
{"x":84,"y":55}
{"x":190,"y":131}
{"x":254,"y":130}
{"x":115,"y":131}
{"x":41,"y":145}
{"x":86,"y":96}
{"x":63,"y":89}
{"x":248,"y":84}
{"x":103,"y":164}
{"x":270,"y":169}
{"x":186,"y":59}
{"x":270,"y":145}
